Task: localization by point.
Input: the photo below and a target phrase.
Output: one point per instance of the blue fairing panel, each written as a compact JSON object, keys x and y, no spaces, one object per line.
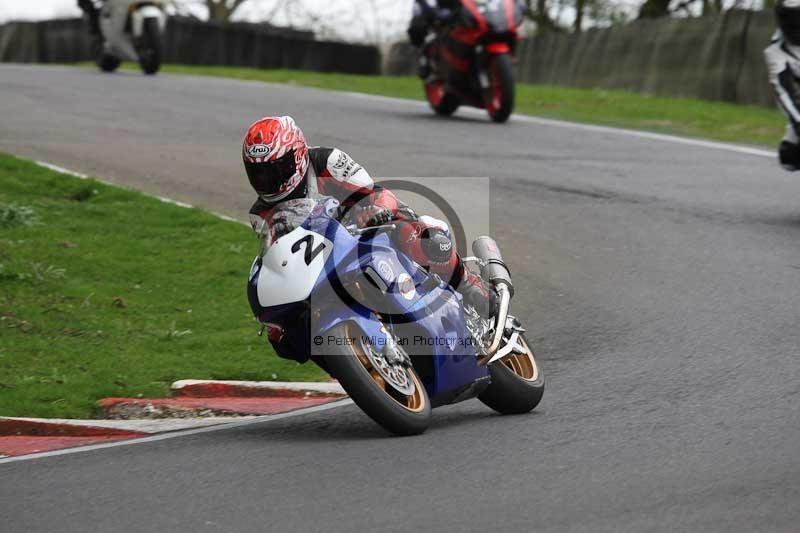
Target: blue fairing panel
{"x":428,"y":319}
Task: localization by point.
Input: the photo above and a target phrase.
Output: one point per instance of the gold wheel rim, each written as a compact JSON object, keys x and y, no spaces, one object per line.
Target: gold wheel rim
{"x":414,"y":403}
{"x":523,"y":365}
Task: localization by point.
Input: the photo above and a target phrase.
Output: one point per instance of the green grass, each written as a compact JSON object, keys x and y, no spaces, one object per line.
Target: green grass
{"x":687,"y":117}
{"x":106,"y":292}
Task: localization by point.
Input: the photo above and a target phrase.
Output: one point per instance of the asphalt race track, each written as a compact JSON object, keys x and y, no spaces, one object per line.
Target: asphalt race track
{"x":660,"y":283}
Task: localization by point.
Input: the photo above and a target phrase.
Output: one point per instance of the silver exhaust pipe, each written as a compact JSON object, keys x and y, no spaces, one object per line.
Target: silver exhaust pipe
{"x":502,"y":314}
{"x":494,"y":269}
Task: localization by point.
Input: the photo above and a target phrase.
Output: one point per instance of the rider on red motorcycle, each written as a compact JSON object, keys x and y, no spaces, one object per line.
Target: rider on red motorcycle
{"x":423,"y":18}
{"x":281,"y":166}
{"x":425,"y":15}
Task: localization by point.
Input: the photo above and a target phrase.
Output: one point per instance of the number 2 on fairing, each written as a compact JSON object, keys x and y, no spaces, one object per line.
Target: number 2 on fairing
{"x":285,"y":274}
{"x":310,"y":251}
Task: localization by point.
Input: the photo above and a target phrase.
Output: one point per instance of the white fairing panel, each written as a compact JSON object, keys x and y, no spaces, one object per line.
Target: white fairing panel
{"x":291,"y":266}
{"x":146,"y":12}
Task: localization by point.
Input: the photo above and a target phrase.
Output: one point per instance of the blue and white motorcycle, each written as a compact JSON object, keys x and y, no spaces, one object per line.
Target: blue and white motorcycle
{"x":398,"y":339}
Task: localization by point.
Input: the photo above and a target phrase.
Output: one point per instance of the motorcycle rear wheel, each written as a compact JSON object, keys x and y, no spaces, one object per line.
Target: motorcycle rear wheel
{"x":441,"y":101}
{"x":517,"y":383}
{"x":499,"y":97}
{"x":108,"y":63}
{"x":150,"y":51}
{"x":399,"y":414}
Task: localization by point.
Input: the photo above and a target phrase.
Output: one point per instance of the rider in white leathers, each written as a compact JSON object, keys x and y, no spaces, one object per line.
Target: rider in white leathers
{"x":783,"y":63}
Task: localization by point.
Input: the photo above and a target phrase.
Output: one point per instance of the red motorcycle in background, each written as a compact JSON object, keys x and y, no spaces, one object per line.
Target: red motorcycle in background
{"x":471,"y":57}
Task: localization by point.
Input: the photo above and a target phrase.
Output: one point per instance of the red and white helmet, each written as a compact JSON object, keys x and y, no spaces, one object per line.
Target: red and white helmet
{"x":275,"y":156}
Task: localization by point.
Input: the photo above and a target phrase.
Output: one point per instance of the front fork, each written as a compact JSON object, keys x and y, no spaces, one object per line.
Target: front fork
{"x":482,"y":64}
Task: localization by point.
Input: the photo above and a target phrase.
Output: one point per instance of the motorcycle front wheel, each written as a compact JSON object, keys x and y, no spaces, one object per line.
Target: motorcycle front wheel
{"x":499,"y":96}
{"x":517,"y":383}
{"x":355,"y":368}
{"x":150,"y":51}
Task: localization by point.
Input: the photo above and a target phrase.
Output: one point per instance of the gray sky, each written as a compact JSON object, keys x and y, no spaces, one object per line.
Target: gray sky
{"x":39,"y":9}
{"x":376,"y":21}
{"x":352,"y":19}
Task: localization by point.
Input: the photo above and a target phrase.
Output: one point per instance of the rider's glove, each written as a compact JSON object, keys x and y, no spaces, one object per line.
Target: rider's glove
{"x":444,"y":14}
{"x":373,"y":215}
{"x":279,"y":226}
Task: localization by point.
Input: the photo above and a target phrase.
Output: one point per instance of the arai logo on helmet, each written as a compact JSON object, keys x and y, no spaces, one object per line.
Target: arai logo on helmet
{"x":258,"y":150}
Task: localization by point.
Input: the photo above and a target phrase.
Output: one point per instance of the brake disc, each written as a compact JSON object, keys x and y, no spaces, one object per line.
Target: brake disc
{"x":395,"y":375}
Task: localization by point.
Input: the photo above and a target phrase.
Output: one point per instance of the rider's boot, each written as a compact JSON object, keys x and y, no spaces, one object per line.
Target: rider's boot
{"x":437,"y":249}
{"x":425,"y":58}
{"x":475,"y":291}
{"x":423,"y":65}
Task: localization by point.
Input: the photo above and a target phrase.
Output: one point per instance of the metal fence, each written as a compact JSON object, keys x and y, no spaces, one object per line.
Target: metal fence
{"x":192,"y":42}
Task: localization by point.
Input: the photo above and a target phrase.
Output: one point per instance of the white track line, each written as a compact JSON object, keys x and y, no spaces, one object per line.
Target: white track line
{"x":663,"y":137}
{"x":177,"y":434}
{"x":62,"y":170}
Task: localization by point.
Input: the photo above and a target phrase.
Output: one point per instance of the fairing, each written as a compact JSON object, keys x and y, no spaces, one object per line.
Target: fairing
{"x":446,"y":363}
{"x":491,"y":17}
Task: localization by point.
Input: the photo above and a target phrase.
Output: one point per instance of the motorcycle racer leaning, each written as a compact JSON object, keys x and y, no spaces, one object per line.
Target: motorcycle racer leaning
{"x":281,"y":166}
{"x":783,"y":63}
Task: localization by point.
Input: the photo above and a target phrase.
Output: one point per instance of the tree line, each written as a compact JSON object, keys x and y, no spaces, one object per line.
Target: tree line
{"x":544,"y":15}
{"x":550,"y":15}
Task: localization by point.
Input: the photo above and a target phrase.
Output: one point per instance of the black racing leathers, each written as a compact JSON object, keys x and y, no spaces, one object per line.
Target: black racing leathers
{"x":425,"y":14}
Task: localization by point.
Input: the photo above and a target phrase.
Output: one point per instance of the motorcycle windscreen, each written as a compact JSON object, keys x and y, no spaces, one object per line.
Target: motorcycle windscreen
{"x":493,"y":16}
{"x":291,"y":266}
{"x":283,"y":218}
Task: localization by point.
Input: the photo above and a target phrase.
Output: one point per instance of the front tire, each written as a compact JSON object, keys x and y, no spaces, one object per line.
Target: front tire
{"x":499,"y":97}
{"x":517,"y":383}
{"x":351,"y":365}
{"x":151,"y":49}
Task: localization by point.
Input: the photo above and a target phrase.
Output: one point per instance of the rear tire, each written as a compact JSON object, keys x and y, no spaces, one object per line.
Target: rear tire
{"x":499,"y":97}
{"x":517,"y":384}
{"x":441,"y":101}
{"x":401,"y":415}
{"x":108,"y":63}
{"x":151,"y":50}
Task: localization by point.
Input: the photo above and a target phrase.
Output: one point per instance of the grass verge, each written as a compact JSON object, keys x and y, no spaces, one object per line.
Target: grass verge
{"x":107,"y":292}
{"x":678,"y":116}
